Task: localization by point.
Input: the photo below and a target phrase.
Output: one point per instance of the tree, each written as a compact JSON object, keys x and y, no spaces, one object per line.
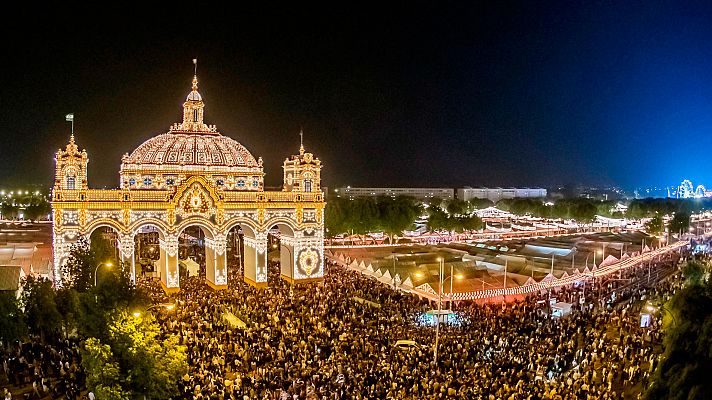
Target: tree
{"x":102,"y":372}
{"x":680,"y":222}
{"x":438,"y":219}
{"x":467,"y":223}
{"x":477,"y":204}
{"x":457,"y":207}
{"x":683,"y":372}
{"x":397,"y":215}
{"x":336,"y":216}
{"x":656,"y":225}
{"x":12,"y":321}
{"x":9,"y":211}
{"x":363,"y":217}
{"x":78,"y":270}
{"x":37,"y":210}
{"x":38,"y":300}
{"x":149,"y":367}
{"x":114,"y":290}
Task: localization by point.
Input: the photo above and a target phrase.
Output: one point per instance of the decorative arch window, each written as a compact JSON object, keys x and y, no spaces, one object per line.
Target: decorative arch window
{"x":195,"y":115}
{"x":241,"y":183}
{"x":147,"y":181}
{"x":132,"y":181}
{"x":219,"y":182}
{"x":255,"y":183}
{"x":170,"y":181}
{"x":71,"y":182}
{"x":307,"y":185}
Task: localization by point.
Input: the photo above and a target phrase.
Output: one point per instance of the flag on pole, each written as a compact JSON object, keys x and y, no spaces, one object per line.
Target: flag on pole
{"x":70,"y":117}
{"x":195,"y":61}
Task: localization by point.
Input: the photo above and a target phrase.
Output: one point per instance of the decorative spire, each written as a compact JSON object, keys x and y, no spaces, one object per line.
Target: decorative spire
{"x":301,"y":141}
{"x":195,"y":75}
{"x":71,"y":139}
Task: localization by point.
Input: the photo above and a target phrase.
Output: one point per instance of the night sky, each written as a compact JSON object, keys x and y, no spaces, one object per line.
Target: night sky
{"x":505,"y":94}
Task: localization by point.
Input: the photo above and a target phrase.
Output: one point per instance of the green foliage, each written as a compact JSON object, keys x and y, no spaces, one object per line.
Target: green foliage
{"x":683,"y":372}
{"x":336,"y":216}
{"x":38,"y":300}
{"x":456,"y":207}
{"x":656,"y":225}
{"x":640,"y":208}
{"x":438,"y":219}
{"x":12,"y":321}
{"x":396,"y":215}
{"x":694,"y":272}
{"x":114,"y":291}
{"x":367,"y":214}
{"x":478,"y":204}
{"x":102,"y":372}
{"x":580,"y":209}
{"x":146,"y":366}
{"x":9,"y":211}
{"x":78,"y":270}
{"x":680,"y":222}
{"x":38,"y":209}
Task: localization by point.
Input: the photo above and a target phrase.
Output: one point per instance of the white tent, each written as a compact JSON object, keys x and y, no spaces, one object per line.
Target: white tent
{"x":407,"y":284}
{"x":191,"y":266}
{"x":386,"y":278}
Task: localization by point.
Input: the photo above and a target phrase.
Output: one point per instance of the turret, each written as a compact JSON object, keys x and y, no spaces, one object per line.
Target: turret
{"x":302,"y":173}
{"x":71,"y":167}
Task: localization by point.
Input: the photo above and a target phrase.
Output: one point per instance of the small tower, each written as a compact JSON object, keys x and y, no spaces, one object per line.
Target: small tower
{"x":302,"y":173}
{"x":70,"y":168}
{"x":193,"y":113}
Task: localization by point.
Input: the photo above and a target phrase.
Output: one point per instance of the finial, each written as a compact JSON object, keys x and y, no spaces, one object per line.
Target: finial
{"x":71,"y":139}
{"x":195,"y":74}
{"x":301,"y":141}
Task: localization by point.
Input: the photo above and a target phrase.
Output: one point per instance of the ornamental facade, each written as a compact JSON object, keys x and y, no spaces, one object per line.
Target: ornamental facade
{"x":194,"y":176}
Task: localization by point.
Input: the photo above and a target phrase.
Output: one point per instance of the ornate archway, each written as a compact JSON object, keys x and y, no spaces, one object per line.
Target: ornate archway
{"x":193,"y":175}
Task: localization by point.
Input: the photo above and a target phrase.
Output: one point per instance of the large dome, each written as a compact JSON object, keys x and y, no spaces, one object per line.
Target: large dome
{"x":199,"y":149}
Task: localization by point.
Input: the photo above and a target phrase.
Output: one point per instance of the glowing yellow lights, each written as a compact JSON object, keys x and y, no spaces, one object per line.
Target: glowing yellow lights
{"x":459,"y":276}
{"x":418,"y":274}
{"x":136,"y":314}
{"x":191,"y":175}
{"x":170,"y":307}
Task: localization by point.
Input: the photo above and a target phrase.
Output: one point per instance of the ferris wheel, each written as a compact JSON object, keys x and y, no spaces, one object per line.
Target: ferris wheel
{"x":686,"y":190}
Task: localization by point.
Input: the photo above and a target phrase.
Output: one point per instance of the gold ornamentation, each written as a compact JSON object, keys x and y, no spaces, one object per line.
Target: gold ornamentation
{"x":309,"y":261}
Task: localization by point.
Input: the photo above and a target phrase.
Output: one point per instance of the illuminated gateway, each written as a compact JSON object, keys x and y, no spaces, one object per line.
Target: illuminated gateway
{"x":194,"y":176}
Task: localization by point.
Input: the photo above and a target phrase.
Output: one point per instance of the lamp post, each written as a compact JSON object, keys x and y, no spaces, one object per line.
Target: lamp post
{"x":96,"y":270}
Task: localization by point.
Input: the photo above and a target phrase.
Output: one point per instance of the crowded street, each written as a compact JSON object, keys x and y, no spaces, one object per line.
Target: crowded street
{"x":336,"y":339}
{"x":317,"y":341}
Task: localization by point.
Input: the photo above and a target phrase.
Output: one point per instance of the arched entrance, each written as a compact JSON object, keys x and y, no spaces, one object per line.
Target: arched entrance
{"x":193,"y":176}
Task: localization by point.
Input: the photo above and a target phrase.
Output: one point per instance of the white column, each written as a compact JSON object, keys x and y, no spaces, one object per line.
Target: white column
{"x":169,"y":257}
{"x":126,"y":251}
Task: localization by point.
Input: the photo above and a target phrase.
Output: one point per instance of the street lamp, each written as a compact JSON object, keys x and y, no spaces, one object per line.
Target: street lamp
{"x":167,"y":306}
{"x":96,"y":270}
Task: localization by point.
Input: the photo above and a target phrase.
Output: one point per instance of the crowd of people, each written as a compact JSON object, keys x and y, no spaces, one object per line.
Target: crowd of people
{"x":322,"y":341}
{"x":41,"y":370}
{"x":317,"y":341}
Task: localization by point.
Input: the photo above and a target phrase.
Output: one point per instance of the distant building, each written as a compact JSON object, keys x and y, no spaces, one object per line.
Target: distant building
{"x":497,"y":194}
{"x":418,"y":193}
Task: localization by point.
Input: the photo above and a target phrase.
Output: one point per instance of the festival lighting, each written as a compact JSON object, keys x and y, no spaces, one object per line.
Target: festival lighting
{"x":193,"y":175}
